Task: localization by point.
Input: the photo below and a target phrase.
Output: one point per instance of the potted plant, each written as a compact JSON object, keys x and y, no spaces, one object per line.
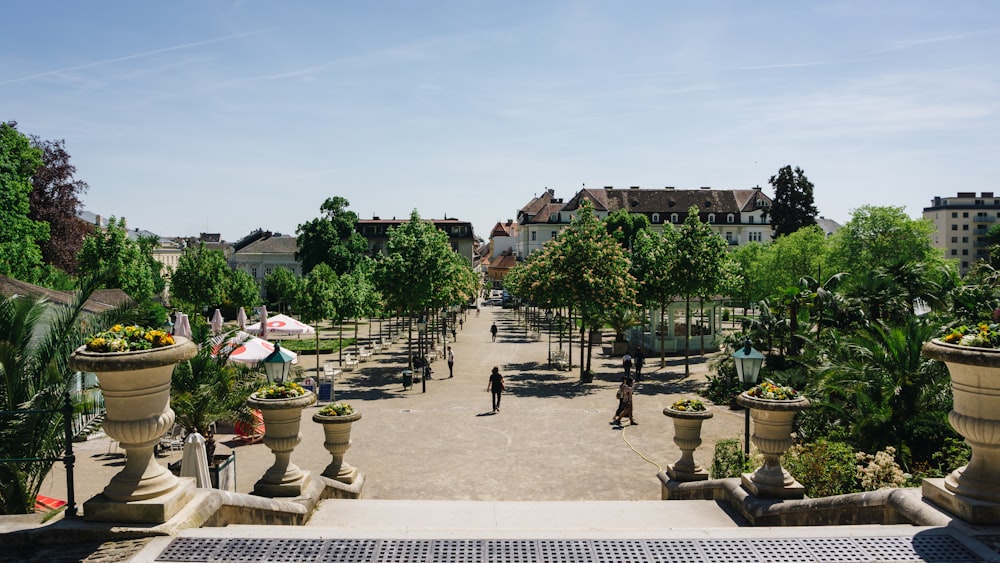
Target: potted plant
{"x":208,"y":389}
{"x":772,"y":408}
{"x":621,"y":319}
{"x":688,"y":415}
{"x":337,"y":419}
{"x":281,"y":402}
{"x":134,"y":367}
{"x":973,"y":359}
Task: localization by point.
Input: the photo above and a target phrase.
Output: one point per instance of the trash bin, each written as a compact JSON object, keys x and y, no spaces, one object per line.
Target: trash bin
{"x":407,"y":379}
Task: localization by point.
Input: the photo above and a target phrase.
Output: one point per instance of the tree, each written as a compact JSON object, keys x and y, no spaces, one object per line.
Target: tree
{"x":242,"y":290}
{"x":331,"y":239}
{"x":36,"y":339}
{"x":280,"y":288}
{"x":655,"y":255}
{"x":55,"y":199}
{"x":412,"y":273}
{"x":201,"y":278}
{"x":701,"y":268}
{"x":20,"y":236}
{"x":594,"y":271}
{"x":624,"y":226}
{"x":112,"y":249}
{"x":793,"y":206}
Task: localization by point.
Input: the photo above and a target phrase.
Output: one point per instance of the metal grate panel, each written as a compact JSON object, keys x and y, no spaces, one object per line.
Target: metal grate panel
{"x":919,"y":548}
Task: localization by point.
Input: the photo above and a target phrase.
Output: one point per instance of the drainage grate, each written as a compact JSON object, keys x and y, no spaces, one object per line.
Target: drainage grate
{"x":919,"y":548}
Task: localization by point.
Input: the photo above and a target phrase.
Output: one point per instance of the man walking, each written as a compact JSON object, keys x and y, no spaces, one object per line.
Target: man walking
{"x":493,"y":331}
{"x":451,"y":362}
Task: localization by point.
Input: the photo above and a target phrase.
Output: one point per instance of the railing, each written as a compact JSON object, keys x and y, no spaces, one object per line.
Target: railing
{"x":984,"y":219}
{"x":89,"y":407}
{"x":67,"y":458}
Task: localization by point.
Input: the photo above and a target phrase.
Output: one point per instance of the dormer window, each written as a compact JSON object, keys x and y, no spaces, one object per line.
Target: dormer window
{"x":656,"y":218}
{"x":711,"y":217}
{"x":730,"y":218}
{"x":673,"y":218}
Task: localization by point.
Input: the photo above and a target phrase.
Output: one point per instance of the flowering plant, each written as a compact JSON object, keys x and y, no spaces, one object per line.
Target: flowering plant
{"x":982,"y":335}
{"x":337,"y":409}
{"x":287,"y":390}
{"x":121,"y":338}
{"x":768,"y":390}
{"x":693,"y":405}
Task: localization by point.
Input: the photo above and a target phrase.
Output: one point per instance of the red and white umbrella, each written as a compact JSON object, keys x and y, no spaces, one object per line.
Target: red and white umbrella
{"x":279,"y":325}
{"x":246,"y":348}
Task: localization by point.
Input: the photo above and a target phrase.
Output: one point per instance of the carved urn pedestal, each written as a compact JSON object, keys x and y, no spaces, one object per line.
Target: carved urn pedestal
{"x":772,"y":434}
{"x":282,"y":421}
{"x":687,"y":436}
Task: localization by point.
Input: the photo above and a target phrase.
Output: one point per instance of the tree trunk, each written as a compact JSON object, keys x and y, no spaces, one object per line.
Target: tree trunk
{"x":663,"y":335}
{"x":687,"y":335}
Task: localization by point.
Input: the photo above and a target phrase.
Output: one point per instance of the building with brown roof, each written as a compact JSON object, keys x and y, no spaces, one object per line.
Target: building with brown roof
{"x":100,"y":301}
{"x":260,"y":255}
{"x":739,"y":216}
{"x":460,"y":234}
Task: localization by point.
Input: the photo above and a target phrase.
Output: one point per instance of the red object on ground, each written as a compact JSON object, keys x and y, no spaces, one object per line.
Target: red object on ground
{"x":48,"y":504}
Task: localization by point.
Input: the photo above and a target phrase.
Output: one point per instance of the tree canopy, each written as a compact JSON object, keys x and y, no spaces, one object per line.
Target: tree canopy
{"x":20,"y":235}
{"x":55,"y":199}
{"x":129,"y":266}
{"x":331,"y":239}
{"x":793,"y":206}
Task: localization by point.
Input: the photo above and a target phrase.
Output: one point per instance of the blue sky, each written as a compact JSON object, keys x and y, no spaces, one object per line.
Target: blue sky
{"x":193,"y":116}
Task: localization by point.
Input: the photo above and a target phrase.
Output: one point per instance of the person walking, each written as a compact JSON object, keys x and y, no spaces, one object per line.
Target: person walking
{"x":627,"y":364}
{"x":624,"y":402}
{"x":451,"y":362}
{"x":496,"y":386}
{"x":493,"y":331}
{"x":639,"y":359}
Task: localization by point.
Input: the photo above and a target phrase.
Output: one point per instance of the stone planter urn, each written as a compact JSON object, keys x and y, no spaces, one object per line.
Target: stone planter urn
{"x":282,"y":420}
{"x":687,"y":436}
{"x":337,"y":439}
{"x":136,"y":389}
{"x":772,"y":434}
{"x":971,"y":492}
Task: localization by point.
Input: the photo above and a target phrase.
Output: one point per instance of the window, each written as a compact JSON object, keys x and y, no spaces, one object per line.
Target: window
{"x":965,"y":239}
{"x":965,"y":264}
{"x":965,"y":214}
{"x":673,"y":218}
{"x":552,"y":235}
{"x":954,"y":239}
{"x":954,"y":227}
{"x":954,"y":252}
{"x":954,"y":214}
{"x":965,"y":227}
{"x":965,"y":252}
{"x":253,"y":272}
{"x":656,"y":218}
{"x":533,"y":235}
{"x":730,"y":218}
{"x":711,"y":217}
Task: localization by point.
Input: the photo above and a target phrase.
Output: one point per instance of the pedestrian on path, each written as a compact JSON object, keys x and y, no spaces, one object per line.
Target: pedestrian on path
{"x":627,"y":364}
{"x":624,"y":402}
{"x":493,"y":331}
{"x":451,"y":362}
{"x":496,"y":386}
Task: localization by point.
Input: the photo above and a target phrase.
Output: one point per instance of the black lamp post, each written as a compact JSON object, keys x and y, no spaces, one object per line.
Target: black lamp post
{"x":421,"y":329}
{"x":748,"y":362}
{"x":548,"y":321}
{"x":277,"y":364}
{"x":559,"y":318}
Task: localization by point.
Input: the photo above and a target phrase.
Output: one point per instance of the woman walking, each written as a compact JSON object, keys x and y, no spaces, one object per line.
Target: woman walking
{"x":624,"y":402}
{"x":496,"y":386}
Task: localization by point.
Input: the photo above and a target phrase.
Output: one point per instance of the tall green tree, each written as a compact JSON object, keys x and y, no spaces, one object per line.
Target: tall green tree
{"x":625,"y":226}
{"x":242,"y":291}
{"x":280,"y":287}
{"x":112,"y":249}
{"x":594,"y":269}
{"x":331,"y":239}
{"x":410,"y":276}
{"x":701,"y":268}
{"x":656,"y":261}
{"x":20,"y":235}
{"x":793,"y":206}
{"x":201,"y":279}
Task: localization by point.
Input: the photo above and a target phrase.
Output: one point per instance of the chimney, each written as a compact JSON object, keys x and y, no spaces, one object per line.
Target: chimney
{"x":552,"y":191}
{"x":609,"y":187}
{"x":633,"y":187}
{"x":706,"y":187}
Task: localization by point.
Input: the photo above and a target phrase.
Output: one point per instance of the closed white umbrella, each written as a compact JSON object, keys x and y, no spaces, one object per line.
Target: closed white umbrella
{"x":262,"y":330}
{"x":183,"y":326}
{"x":216,"y":322}
{"x":194,"y":462}
{"x":241,"y":318}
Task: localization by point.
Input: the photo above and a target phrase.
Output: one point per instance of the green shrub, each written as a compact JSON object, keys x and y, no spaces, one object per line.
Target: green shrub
{"x":823,"y":467}
{"x":729,"y":459}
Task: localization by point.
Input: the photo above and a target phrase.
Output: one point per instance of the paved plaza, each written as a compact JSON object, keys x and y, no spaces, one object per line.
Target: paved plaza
{"x":551,"y":439}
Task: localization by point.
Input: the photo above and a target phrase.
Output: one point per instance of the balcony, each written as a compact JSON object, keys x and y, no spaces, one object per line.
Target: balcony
{"x":984,"y":219}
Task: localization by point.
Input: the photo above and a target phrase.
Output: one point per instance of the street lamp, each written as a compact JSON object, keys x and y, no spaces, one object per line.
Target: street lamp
{"x":421,"y":329}
{"x":748,"y":362}
{"x":548,"y":321}
{"x":559,"y":318}
{"x":277,"y":364}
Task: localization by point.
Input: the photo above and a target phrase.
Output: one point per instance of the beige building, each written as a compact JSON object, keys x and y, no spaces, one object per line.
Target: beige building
{"x":261,"y":252}
{"x":961,"y":224}
{"x":739,"y":216}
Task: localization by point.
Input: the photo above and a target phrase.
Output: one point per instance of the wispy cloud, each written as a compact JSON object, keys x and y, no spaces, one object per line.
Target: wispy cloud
{"x":909,"y":44}
{"x":129,"y":57}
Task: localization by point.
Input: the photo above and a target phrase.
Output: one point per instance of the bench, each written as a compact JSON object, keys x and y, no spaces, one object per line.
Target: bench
{"x":364,"y":354}
{"x":561,"y":360}
{"x":350,"y":362}
{"x":377,"y":346}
